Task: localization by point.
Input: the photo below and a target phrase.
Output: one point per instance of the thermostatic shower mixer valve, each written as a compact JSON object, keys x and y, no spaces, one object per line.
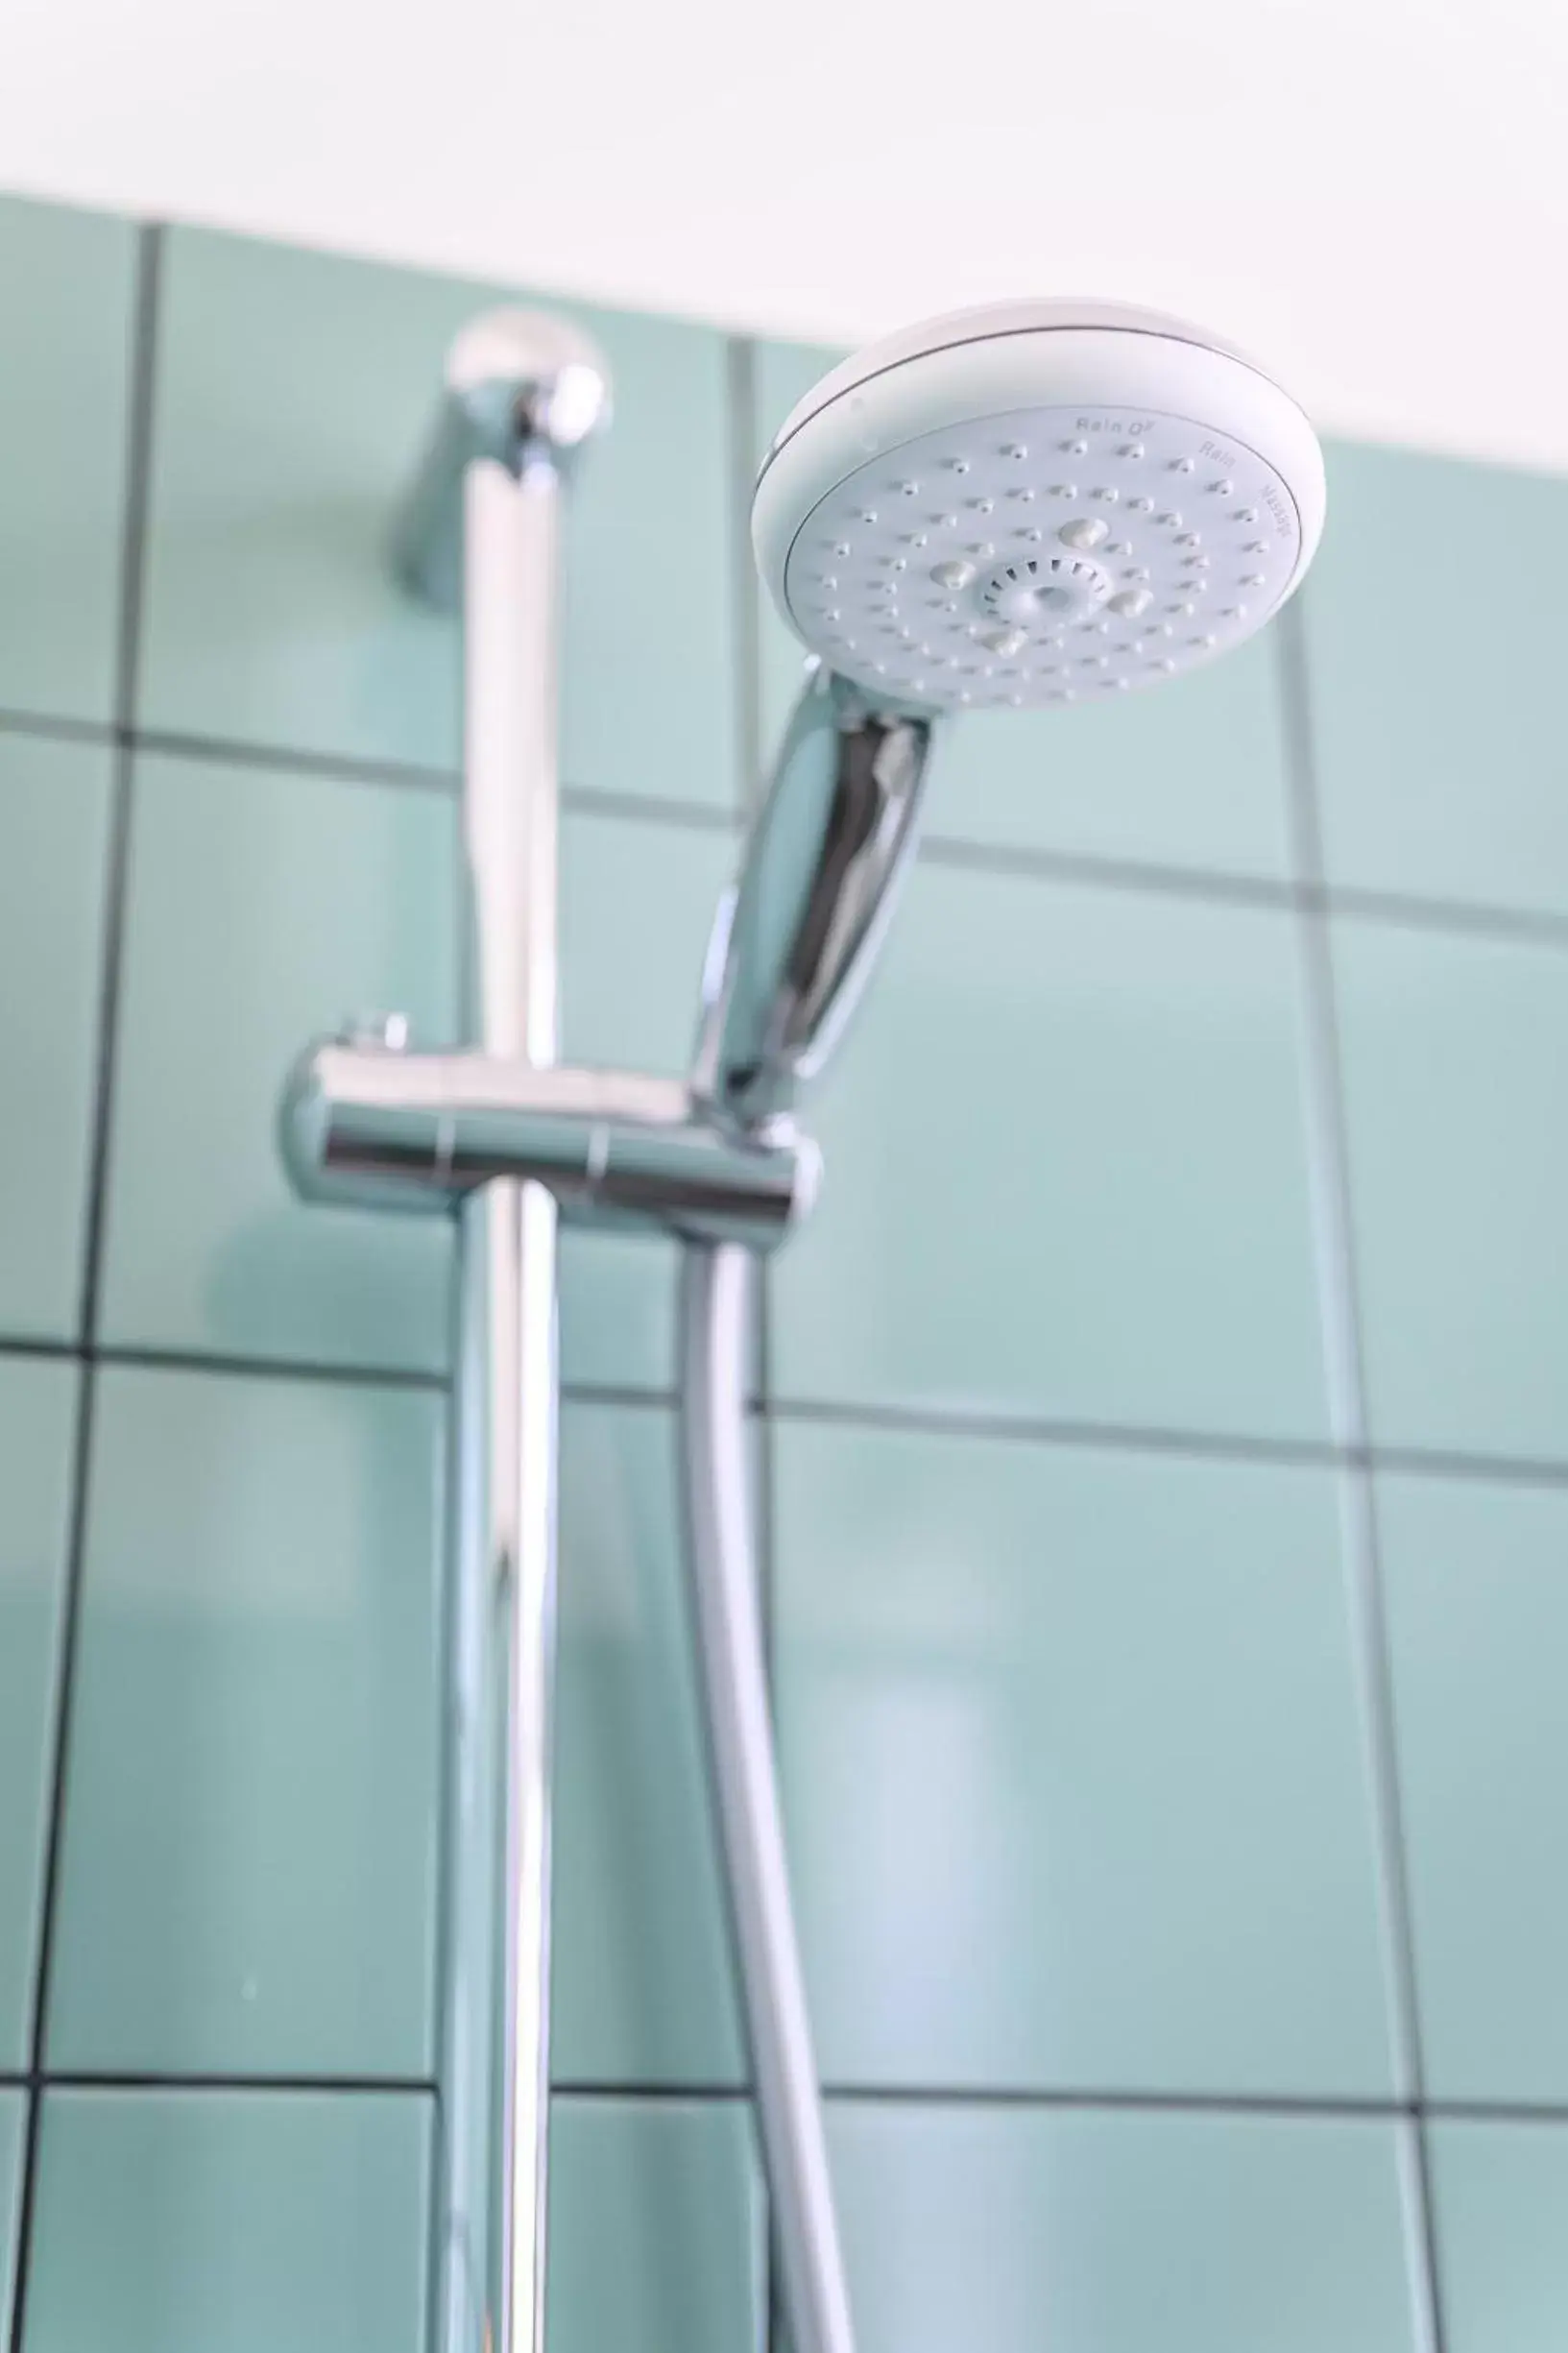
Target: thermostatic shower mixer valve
{"x":1020,"y":507}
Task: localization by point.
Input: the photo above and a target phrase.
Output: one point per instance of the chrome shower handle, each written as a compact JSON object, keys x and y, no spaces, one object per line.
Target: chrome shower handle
{"x":797,"y":934}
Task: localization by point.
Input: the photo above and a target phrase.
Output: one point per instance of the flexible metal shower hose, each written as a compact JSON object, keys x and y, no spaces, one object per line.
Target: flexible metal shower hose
{"x":716,"y":1327}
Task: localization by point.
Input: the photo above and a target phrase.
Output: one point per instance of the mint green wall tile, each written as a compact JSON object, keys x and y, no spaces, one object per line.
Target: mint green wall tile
{"x":636,"y":905}
{"x":248,"y":1884}
{"x":66,"y":281}
{"x":265,"y":907}
{"x":296,"y":390}
{"x":206,"y":1247}
{"x":230,"y":2222}
{"x":1502,"y":2206}
{"x":1078,"y":1730}
{"x":1191,"y":775}
{"x":12,"y":2125}
{"x":1064,"y":1168}
{"x":1477,"y":1580}
{"x":642,"y":1986}
{"x":1436,"y":776}
{"x":1453,"y":1051}
{"x":54,"y":835}
{"x":37,"y":1425}
{"x":656,"y":2229}
{"x":1006,"y":2230}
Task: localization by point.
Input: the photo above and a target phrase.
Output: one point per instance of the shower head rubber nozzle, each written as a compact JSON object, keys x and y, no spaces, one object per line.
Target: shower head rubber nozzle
{"x":1036,"y":503}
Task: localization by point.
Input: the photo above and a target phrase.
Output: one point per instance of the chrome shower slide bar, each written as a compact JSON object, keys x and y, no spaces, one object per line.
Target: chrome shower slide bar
{"x":482,"y":534}
{"x":499,"y":1134}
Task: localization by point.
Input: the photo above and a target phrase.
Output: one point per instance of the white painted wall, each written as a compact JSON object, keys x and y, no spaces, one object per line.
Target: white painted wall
{"x":1370,"y":194}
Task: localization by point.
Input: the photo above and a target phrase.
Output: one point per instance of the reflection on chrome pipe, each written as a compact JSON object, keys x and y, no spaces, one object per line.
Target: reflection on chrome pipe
{"x":521,"y":392}
{"x":799,"y":932}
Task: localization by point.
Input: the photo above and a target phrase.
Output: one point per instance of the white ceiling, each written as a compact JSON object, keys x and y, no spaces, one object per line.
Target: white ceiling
{"x":1372,"y":195}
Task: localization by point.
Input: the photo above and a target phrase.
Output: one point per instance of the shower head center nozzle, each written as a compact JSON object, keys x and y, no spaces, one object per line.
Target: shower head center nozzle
{"x":1036,"y":503}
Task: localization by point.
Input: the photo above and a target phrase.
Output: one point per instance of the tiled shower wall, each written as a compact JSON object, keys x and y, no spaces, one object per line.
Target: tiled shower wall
{"x":1165,"y":1418}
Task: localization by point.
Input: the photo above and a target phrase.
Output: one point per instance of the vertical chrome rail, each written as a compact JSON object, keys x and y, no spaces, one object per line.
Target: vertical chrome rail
{"x":483,"y":527}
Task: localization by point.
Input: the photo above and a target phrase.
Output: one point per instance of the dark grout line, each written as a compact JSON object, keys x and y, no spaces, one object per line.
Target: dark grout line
{"x":584,"y":800}
{"x":1343,"y":901}
{"x":1022,"y":1429}
{"x":643,"y":2087}
{"x":1328,"y":1148}
{"x":1550,"y":2115}
{"x":649,"y":808}
{"x":935,"y":1422}
{"x":138,"y":427}
{"x":1019,"y":863}
{"x":588,"y":800}
{"x":52,"y":1351}
{"x":176,"y":745}
{"x":1518,"y":927}
{"x":616,"y":1393}
{"x":158,"y":2079}
{"x":1346,"y":2107}
{"x":271,"y":1368}
{"x":1501,"y":1469}
{"x":225,"y":1366}
{"x":1100,"y":2099}
{"x":101,"y":733}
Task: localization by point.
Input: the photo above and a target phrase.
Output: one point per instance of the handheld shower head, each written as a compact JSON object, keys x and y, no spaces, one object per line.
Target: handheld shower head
{"x":1029,"y":504}
{"x":1035,"y":503}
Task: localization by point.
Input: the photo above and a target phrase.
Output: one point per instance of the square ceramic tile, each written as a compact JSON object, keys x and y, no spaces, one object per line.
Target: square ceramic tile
{"x":54,"y":840}
{"x":1502,"y":2203}
{"x":1074,"y":1785}
{"x":638,"y":901}
{"x":1435,"y":776}
{"x":67,"y":281}
{"x":185,"y":2221}
{"x":12,"y":2126}
{"x":656,"y":2229}
{"x":642,"y":1984}
{"x":1012,"y":2232}
{"x":265,"y":908}
{"x":1453,"y":1051}
{"x":1065,"y":1170}
{"x":207,"y":1248}
{"x":37,"y":1428}
{"x":247,"y":1883}
{"x":1191,"y":775}
{"x":296,"y":393}
{"x":1477,"y":1580}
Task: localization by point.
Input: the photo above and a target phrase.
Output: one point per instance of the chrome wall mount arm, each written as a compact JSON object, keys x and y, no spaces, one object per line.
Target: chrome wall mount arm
{"x":800,"y":930}
{"x":502,"y":1137}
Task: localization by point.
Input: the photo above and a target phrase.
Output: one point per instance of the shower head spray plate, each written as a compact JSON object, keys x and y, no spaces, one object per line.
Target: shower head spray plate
{"x":1037,"y":504}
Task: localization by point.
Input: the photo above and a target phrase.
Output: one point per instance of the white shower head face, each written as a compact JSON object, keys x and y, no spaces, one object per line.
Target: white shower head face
{"x":1038,"y":504}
